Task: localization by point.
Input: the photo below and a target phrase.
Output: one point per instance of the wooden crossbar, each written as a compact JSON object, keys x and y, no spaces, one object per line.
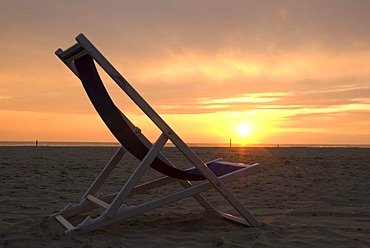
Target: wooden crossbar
{"x":65,"y":222}
{"x":98,"y":202}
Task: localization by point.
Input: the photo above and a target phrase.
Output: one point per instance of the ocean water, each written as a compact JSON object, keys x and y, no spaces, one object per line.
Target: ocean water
{"x":116,"y":144}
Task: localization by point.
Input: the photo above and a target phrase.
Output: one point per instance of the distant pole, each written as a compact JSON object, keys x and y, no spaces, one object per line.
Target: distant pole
{"x":37,"y":143}
{"x":230,"y":142}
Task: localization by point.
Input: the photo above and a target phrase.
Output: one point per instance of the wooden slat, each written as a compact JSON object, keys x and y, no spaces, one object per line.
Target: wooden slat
{"x":64,"y":222}
{"x":98,"y":202}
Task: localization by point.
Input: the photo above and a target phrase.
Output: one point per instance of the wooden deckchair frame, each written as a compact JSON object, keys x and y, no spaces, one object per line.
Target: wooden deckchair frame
{"x":114,"y":209}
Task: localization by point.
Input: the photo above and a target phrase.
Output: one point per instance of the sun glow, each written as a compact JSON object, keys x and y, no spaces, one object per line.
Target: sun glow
{"x":246,"y":133}
{"x":243,"y":129}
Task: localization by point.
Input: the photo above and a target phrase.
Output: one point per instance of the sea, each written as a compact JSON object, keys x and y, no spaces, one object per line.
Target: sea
{"x":116,"y":144}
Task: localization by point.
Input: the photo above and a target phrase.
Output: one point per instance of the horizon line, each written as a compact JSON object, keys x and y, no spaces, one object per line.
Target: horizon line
{"x":169,"y":144}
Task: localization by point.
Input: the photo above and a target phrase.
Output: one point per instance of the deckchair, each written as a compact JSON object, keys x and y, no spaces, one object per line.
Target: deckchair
{"x":81,"y":59}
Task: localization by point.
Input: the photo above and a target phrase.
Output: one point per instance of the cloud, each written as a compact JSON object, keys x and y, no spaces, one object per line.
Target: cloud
{"x":248,"y":98}
{"x":342,"y":122}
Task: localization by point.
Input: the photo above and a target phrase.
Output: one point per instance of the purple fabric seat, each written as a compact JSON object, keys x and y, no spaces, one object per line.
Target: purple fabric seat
{"x":219,"y":168}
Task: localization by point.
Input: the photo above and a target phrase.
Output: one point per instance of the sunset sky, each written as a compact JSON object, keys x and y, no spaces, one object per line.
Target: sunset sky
{"x":276,"y":72}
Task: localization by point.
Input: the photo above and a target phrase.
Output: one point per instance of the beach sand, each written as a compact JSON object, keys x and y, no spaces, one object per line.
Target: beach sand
{"x":305,"y":197}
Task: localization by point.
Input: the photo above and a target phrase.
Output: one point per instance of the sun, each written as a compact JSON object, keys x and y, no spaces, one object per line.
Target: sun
{"x":243,"y":129}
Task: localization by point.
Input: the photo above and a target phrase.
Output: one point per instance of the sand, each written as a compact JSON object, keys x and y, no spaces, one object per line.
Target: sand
{"x":305,"y":197}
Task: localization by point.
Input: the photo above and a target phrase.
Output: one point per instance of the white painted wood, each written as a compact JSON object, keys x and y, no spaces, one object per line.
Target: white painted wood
{"x":64,"y":222}
{"x":126,"y":213}
{"x":198,"y":197}
{"x":136,"y":175}
{"x":69,"y":64}
{"x":95,"y":186}
{"x":97,"y":201}
{"x":114,"y":204}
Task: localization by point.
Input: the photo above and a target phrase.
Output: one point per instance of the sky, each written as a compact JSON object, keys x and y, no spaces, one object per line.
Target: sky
{"x":271,"y":72}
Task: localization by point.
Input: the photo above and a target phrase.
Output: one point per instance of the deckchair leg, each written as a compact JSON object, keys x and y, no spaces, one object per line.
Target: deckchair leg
{"x":95,"y":186}
{"x":198,"y":197}
{"x":92,"y":224}
{"x":136,"y":176}
{"x":214,"y":180}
